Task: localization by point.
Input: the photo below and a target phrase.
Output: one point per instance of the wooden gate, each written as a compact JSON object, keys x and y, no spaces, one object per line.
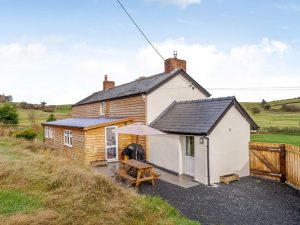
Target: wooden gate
{"x":267,"y":160}
{"x":275,"y":161}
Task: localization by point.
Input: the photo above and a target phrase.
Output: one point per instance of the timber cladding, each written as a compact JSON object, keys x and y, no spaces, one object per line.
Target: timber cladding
{"x":87,"y":145}
{"x":77,"y":151}
{"x":87,"y":110}
{"x":95,"y":143}
{"x":133,"y":107}
{"x":279,"y":162}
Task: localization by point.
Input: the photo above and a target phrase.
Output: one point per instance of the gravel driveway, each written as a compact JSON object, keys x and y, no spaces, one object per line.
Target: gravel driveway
{"x":248,"y":201}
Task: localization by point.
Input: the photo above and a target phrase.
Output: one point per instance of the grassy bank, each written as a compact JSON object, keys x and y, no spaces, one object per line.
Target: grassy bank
{"x":42,"y":187}
{"x":276,"y":138}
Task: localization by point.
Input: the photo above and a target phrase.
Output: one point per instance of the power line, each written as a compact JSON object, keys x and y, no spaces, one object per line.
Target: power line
{"x":140,"y":29}
{"x":291,"y":88}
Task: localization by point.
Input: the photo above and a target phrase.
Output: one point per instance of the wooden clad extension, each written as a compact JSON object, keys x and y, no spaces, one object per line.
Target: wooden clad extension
{"x":279,"y":162}
{"x":87,"y":110}
{"x":87,"y":144}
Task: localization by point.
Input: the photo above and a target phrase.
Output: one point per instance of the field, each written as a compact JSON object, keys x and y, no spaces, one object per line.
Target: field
{"x":61,"y":112}
{"x":277,"y":126}
{"x":279,"y":119}
{"x":42,"y":188}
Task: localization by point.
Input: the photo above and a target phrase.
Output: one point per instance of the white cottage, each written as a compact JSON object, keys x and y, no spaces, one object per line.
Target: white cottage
{"x":206,"y":139}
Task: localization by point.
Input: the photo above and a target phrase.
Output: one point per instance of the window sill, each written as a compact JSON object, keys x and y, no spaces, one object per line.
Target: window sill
{"x":70,"y":146}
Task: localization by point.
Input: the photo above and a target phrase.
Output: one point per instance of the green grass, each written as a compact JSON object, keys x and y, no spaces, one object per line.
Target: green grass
{"x":276,"y":138}
{"x":16,"y":202}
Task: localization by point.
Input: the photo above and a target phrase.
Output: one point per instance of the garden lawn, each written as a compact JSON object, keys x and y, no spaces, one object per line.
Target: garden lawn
{"x":276,"y":138}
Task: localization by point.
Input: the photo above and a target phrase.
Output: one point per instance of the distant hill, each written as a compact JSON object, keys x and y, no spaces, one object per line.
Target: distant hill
{"x":275,"y":117}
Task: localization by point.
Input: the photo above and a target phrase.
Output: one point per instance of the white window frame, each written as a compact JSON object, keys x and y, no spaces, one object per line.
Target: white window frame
{"x":68,"y":140}
{"x":49,"y":132}
{"x":102,"y":108}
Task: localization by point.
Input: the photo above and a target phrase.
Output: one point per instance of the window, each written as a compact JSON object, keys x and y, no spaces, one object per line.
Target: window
{"x":68,"y":138}
{"x":190,"y":146}
{"x":49,"y":132}
{"x":102,"y":108}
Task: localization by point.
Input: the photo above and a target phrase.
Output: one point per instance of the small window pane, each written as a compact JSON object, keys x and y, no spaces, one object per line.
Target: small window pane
{"x":190,"y":146}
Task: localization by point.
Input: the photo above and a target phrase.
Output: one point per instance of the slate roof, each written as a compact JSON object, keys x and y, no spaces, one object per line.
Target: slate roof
{"x":145,"y":85}
{"x":197,"y":117}
{"x":82,"y":122}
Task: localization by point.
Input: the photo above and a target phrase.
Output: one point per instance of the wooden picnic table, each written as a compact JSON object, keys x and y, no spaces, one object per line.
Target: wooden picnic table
{"x":136,"y":172}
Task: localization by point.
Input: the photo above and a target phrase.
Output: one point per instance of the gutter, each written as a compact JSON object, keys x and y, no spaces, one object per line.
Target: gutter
{"x":207,"y":159}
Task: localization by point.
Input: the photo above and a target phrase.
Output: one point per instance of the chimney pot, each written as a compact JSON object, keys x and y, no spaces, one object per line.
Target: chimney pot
{"x":107,"y":84}
{"x":172,"y":64}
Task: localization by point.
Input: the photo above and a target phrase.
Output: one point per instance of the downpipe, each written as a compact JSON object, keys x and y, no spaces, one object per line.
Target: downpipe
{"x":207,"y":160}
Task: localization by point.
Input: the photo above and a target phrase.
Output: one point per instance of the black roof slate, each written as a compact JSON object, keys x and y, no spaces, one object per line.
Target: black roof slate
{"x":197,"y":117}
{"x":144,"y":85}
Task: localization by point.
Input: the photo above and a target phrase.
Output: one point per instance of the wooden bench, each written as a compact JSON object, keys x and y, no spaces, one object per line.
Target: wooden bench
{"x":123,"y":174}
{"x":156,"y":175}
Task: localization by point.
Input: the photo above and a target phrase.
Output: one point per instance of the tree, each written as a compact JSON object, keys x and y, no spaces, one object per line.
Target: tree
{"x":43,"y":104}
{"x":51,"y":118}
{"x":8,"y":98}
{"x":263,"y":102}
{"x":8,"y":114}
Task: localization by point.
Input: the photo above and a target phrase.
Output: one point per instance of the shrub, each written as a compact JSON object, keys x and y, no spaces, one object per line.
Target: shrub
{"x":267,"y":106}
{"x":28,"y":134}
{"x":8,"y":114}
{"x":255,"y":110}
{"x":290,"y":108}
{"x":51,"y":118}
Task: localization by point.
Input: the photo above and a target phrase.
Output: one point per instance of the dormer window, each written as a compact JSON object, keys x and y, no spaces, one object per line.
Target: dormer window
{"x":102,"y":108}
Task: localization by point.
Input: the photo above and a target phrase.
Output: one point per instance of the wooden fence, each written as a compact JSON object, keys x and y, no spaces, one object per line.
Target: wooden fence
{"x":279,"y":162}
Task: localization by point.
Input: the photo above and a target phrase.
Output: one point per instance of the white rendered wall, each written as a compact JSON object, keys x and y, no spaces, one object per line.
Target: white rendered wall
{"x":176,"y":89}
{"x":166,"y":151}
{"x":229,"y":146}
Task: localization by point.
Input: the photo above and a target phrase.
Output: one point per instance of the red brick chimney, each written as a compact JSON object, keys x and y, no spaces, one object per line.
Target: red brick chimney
{"x":107,"y":84}
{"x":174,"y":63}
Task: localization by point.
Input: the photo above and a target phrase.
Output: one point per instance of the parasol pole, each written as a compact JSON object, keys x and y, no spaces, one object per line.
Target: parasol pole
{"x":137,"y":139}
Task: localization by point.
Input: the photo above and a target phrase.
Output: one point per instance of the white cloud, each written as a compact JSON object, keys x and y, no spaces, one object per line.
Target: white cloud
{"x":180,"y":3}
{"x":37,"y":72}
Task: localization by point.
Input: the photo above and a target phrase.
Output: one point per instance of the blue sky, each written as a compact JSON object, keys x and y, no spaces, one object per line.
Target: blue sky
{"x":50,"y":47}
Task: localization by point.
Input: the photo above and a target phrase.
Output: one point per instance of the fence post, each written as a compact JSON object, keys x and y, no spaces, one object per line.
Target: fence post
{"x":282,"y":163}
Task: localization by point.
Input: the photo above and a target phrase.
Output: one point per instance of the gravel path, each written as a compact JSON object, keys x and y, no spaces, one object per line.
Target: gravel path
{"x":249,"y":201}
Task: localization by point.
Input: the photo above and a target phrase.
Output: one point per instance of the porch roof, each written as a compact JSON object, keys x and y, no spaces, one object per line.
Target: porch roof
{"x":86,"y":122}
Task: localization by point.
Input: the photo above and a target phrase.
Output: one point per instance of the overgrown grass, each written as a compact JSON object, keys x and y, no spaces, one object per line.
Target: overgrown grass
{"x":277,"y":138}
{"x":70,"y":192}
